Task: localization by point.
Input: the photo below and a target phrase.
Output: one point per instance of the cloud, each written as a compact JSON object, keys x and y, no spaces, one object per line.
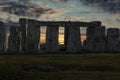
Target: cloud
{"x":23,"y":8}
{"x":20,"y":8}
{"x":112,"y":6}
{"x":53,"y":14}
{"x":60,"y":1}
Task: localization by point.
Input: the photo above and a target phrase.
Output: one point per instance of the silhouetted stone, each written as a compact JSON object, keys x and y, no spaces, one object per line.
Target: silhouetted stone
{"x":95,"y":39}
{"x":74,"y":43}
{"x":52,"y":39}
{"x":66,"y":34}
{"x":14,"y":39}
{"x":94,"y":24}
{"x":113,"y":42}
{"x":33,"y":36}
{"x":23,"y":28}
{"x":69,"y":23}
{"x":2,"y":37}
{"x":99,"y":39}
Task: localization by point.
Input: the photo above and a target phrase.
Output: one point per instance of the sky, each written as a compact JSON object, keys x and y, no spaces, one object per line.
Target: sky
{"x":107,"y":11}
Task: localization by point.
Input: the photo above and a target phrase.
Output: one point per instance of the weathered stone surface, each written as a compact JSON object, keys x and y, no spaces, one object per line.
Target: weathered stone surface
{"x":23,"y":28}
{"x":33,"y":36}
{"x":14,"y":39}
{"x":2,"y":37}
{"x":52,"y":39}
{"x":95,"y":39}
{"x":74,"y":43}
{"x":113,"y":42}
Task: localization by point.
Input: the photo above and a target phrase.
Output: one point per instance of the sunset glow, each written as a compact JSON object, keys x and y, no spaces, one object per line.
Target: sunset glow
{"x":106,"y":11}
{"x":60,"y":39}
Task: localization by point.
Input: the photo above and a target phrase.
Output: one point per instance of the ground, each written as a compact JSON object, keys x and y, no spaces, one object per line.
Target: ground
{"x":60,"y":67}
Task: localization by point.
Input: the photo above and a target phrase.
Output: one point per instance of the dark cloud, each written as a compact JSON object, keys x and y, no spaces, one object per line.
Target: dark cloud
{"x":23,"y":8}
{"x":112,"y":6}
{"x":60,"y":0}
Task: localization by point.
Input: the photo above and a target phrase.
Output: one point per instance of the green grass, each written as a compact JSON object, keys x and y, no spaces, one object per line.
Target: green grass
{"x":64,"y":67}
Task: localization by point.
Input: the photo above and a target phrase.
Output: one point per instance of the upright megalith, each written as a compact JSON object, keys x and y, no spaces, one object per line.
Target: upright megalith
{"x":2,"y":36}
{"x":113,"y":42}
{"x":74,"y":39}
{"x":23,"y":28}
{"x":99,"y":39}
{"x":66,"y":34}
{"x":14,"y":39}
{"x":33,"y":36}
{"x":95,"y":39}
{"x":52,"y":38}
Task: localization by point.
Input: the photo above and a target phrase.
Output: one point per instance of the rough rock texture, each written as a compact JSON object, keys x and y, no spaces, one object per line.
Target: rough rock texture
{"x":95,"y":39}
{"x":23,"y":28}
{"x":74,"y":43}
{"x":33,"y":36}
{"x":14,"y":39}
{"x":52,"y":38}
{"x":113,"y":42}
{"x":2,"y":37}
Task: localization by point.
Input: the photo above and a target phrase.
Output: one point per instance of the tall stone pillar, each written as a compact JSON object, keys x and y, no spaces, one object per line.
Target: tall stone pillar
{"x":66,"y":34}
{"x":14,"y":39}
{"x":74,"y":43}
{"x":95,"y":39}
{"x":52,"y":39}
{"x":2,"y":37}
{"x":99,"y":39}
{"x":33,"y":36}
{"x":113,"y":42}
{"x":23,"y":28}
{"x":88,"y":43}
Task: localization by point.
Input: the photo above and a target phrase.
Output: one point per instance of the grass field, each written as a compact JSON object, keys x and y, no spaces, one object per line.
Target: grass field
{"x":60,"y":67}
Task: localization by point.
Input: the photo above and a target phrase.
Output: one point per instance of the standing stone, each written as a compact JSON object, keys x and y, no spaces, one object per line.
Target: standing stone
{"x":33,"y":36}
{"x":95,"y":39}
{"x":52,"y":38}
{"x":14,"y":39}
{"x":99,"y":39}
{"x":2,"y":37}
{"x":113,"y":43}
{"x":74,"y":43}
{"x":23,"y":28}
{"x":66,"y":34}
